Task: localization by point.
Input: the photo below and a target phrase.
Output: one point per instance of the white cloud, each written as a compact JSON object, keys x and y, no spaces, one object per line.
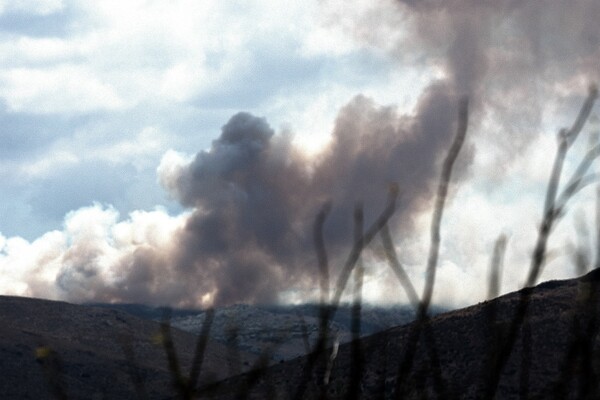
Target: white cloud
{"x":171,"y":167}
{"x":62,"y":89}
{"x":20,"y":260}
{"x":95,"y":233}
{"x":38,"y":7}
{"x":141,"y":150}
{"x":26,"y":51}
{"x":50,"y":162}
{"x":118,"y":55}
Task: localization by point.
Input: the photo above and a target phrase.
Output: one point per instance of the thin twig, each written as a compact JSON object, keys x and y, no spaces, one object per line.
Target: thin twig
{"x":200,"y":349}
{"x":395,"y":265}
{"x":496,"y":267}
{"x":578,"y":181}
{"x":422,"y":321}
{"x":322,"y":252}
{"x":489,"y":312}
{"x":566,"y":138}
{"x":356,"y":367}
{"x":172,"y":359}
{"x":327,"y":311}
{"x":463,"y":121}
{"x":358,"y":246}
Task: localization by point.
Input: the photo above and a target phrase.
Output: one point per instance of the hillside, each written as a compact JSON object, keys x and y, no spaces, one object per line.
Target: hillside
{"x":82,"y":350}
{"x":279,"y":329}
{"x":560,"y":357}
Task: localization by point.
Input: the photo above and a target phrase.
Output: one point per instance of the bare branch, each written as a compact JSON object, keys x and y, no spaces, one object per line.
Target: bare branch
{"x":463,"y":121}
{"x":496,"y":266}
{"x":322,"y":252}
{"x":395,"y":265}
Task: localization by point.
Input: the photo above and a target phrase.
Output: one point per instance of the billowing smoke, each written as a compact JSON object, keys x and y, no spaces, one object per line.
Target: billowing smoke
{"x":516,"y":59}
{"x":252,"y":197}
{"x":255,"y":198}
{"x":506,"y":42}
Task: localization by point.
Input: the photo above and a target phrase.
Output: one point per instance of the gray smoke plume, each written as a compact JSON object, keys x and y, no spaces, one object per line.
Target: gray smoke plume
{"x":252,"y":200}
{"x":511,"y":57}
{"x":255,"y":198}
{"x":517,"y":40}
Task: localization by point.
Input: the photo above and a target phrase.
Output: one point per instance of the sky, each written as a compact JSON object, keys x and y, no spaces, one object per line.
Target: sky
{"x":179,"y":152}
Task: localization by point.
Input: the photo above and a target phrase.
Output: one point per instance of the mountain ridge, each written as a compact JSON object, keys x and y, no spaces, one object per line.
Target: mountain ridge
{"x":85,"y":346}
{"x":465,"y":342}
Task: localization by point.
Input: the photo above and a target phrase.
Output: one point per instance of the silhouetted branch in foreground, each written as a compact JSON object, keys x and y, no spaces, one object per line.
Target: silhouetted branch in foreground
{"x":173,"y":362}
{"x":495,"y":274}
{"x":584,"y":330}
{"x":552,"y":211}
{"x":490,"y":311}
{"x":359,"y":246}
{"x":323,"y":263}
{"x":357,"y":356}
{"x":552,"y":208}
{"x":459,"y":139}
{"x":200,"y":350}
{"x":422,"y":320}
{"x":398,"y":269}
{"x":577,"y":362}
{"x":185,"y":386}
{"x":327,"y":311}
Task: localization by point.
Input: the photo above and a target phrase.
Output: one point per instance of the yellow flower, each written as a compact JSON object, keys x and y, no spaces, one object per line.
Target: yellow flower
{"x":42,"y":352}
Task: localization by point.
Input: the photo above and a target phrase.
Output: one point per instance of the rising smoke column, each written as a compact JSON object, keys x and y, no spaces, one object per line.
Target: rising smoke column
{"x":513,"y":58}
{"x":255,"y":197}
{"x":252,"y":197}
{"x":522,"y":41}
{"x":251,"y":202}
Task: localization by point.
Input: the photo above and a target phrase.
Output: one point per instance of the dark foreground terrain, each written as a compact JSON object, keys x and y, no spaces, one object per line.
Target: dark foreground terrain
{"x":456,"y":354}
{"x":58,"y":350}
{"x":279,"y":329}
{"x":49,"y":349}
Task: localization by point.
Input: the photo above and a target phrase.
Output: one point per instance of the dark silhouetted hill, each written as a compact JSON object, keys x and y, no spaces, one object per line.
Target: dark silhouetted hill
{"x":279,"y":329}
{"x":559,"y":359}
{"x":81,"y":349}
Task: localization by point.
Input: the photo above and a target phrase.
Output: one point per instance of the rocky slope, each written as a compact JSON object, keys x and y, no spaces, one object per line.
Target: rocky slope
{"x":49,"y":347}
{"x":98,"y":351}
{"x":285,"y":331}
{"x":82,"y":351}
{"x":278,"y":329}
{"x":556,"y":356}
